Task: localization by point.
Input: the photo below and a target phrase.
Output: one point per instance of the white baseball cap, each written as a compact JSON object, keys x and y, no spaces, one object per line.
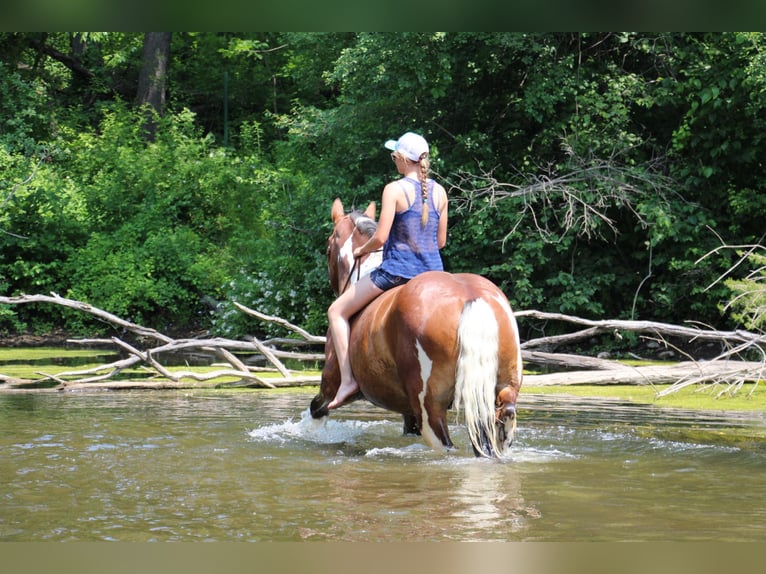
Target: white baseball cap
{"x":411,"y":145}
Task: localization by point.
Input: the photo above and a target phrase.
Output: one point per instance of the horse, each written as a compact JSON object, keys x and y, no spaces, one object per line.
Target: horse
{"x":439,"y":341}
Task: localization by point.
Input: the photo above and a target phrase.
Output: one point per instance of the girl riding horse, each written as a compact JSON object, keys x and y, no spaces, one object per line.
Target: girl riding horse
{"x":412,"y":229}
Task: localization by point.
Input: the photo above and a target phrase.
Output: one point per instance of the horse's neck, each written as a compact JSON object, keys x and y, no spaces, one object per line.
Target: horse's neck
{"x":373,"y":261}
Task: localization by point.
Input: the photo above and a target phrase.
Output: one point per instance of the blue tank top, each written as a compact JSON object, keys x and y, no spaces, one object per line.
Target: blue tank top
{"x":412,"y":249}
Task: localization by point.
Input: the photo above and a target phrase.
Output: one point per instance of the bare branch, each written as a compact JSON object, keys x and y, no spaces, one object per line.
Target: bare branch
{"x":726,"y":369}
{"x":223,"y":348}
{"x":577,"y":201}
{"x":279,"y":321}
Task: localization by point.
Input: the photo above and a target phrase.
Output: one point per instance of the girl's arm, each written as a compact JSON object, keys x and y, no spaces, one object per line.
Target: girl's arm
{"x":387,"y":212}
{"x":441,"y":232}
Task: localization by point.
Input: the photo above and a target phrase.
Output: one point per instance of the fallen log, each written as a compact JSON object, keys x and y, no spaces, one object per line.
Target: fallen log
{"x":611,"y":325}
{"x":564,"y":360}
{"x":98,"y":377}
{"x":684,"y":373}
{"x":54,"y":298}
{"x":274,"y":383}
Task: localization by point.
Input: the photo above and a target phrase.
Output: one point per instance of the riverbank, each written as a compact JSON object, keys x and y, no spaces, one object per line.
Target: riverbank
{"x":28,"y":362}
{"x":750,"y":397}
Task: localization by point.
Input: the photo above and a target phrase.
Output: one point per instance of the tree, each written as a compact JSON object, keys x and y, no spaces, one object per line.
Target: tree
{"x":152,"y":80}
{"x":589,"y":172}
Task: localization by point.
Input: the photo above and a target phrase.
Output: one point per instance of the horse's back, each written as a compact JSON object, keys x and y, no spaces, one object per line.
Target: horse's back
{"x":426,"y":308}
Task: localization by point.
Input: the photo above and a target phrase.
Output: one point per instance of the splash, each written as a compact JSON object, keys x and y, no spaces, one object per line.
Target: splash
{"x":320,"y":431}
{"x":417,"y":450}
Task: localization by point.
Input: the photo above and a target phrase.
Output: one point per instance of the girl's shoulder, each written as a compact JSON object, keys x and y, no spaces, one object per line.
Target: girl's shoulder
{"x":398,"y":193}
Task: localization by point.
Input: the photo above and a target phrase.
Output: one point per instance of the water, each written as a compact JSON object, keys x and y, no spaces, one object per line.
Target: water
{"x":252,"y":466}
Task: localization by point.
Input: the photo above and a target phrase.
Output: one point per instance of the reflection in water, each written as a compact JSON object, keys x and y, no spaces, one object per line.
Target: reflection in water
{"x":253,"y":466}
{"x":489,"y":497}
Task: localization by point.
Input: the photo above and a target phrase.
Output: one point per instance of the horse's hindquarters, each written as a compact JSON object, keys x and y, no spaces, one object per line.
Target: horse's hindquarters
{"x":406,"y":349}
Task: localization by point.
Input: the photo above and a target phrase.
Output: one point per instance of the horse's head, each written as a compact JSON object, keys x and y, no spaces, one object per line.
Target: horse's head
{"x":349,"y":232}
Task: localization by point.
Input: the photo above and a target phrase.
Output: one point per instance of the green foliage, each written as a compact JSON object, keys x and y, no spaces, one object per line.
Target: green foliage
{"x":284,"y":273}
{"x":156,"y":281}
{"x":24,"y":120}
{"x":650,"y":146}
{"x":160,"y":219}
{"x":720,"y":138}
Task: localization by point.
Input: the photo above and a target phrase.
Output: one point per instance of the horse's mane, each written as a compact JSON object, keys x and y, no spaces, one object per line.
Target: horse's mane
{"x":364,"y":224}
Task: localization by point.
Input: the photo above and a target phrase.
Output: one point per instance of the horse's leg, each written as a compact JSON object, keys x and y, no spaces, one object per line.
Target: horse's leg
{"x":432,"y":424}
{"x":510,"y":375}
{"x":411,"y":426}
{"x":428,"y":399}
{"x":437,"y":427}
{"x":330,"y":381}
{"x":505,"y":415}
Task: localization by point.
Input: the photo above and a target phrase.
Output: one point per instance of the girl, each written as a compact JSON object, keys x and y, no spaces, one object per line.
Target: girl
{"x":412,"y":228}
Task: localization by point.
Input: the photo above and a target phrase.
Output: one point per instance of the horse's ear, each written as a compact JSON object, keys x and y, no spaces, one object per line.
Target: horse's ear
{"x":370,"y":211}
{"x":337,"y":210}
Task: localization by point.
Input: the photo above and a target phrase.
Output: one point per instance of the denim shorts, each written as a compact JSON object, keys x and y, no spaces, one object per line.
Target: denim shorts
{"x":384,"y":280}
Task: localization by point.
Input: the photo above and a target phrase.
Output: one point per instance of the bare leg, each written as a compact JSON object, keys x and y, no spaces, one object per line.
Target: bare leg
{"x":339,"y":313}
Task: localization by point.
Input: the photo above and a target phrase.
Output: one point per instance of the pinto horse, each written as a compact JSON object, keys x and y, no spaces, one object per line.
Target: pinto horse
{"x":440,"y":340}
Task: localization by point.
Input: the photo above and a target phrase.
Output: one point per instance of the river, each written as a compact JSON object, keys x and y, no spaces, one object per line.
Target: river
{"x":252,"y":466}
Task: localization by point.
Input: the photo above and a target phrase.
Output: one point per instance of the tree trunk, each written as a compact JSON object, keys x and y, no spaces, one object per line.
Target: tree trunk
{"x":152,"y":80}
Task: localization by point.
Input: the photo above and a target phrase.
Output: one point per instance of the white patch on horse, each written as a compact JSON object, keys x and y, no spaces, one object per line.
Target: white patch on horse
{"x":426,"y":432}
{"x":346,"y":253}
{"x":372,"y":262}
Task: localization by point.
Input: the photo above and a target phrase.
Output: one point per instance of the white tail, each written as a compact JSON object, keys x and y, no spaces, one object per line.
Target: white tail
{"x":477,"y":375}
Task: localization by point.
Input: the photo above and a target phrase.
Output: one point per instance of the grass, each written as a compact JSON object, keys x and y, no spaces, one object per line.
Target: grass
{"x":751,"y":397}
{"x":42,"y":353}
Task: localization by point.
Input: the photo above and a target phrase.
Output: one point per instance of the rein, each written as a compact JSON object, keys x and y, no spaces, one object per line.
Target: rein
{"x":351,"y":274}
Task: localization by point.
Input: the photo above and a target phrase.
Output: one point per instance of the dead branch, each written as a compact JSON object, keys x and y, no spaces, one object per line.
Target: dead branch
{"x":678,"y":375}
{"x":101,"y":376}
{"x":577,"y":200}
{"x":279,"y":321}
{"x":726,"y":369}
{"x":567,"y":361}
{"x":666,"y":329}
{"x":84,"y":307}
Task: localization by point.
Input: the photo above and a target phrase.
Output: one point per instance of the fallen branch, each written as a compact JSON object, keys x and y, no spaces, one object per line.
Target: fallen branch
{"x":726,"y":368}
{"x":665,"y":329}
{"x":86,"y":308}
{"x":100,"y":376}
{"x":279,"y":321}
{"x":683,"y":374}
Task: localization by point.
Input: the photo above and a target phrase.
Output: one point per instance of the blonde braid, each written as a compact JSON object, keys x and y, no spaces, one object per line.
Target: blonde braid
{"x":424,"y":165}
